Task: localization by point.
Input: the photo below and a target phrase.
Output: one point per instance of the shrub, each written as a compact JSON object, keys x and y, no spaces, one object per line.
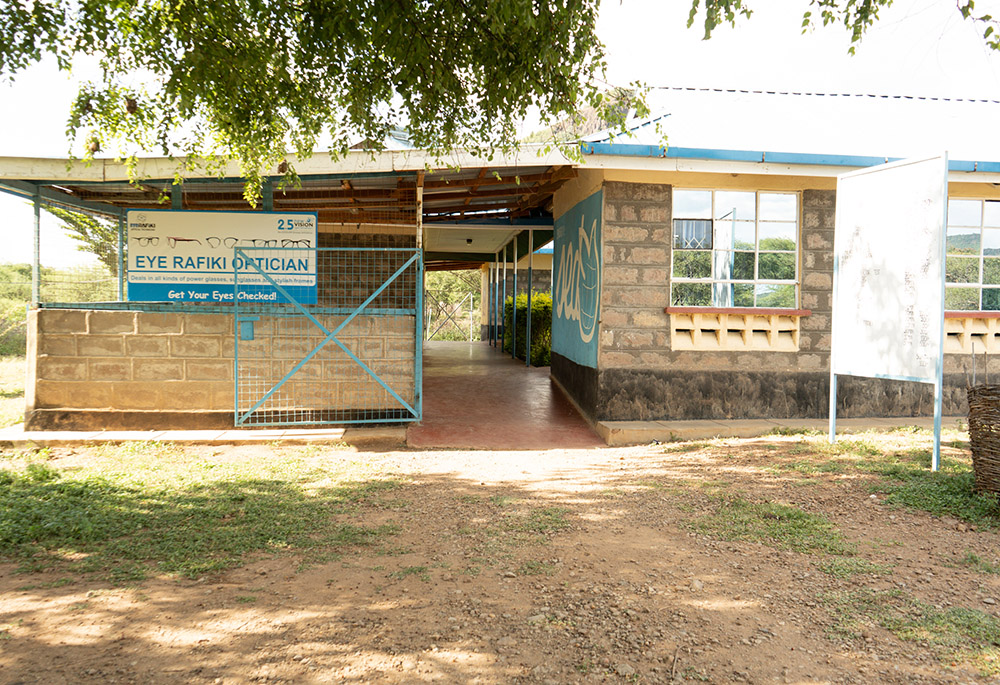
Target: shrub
{"x":541,"y":326}
{"x":13,"y":327}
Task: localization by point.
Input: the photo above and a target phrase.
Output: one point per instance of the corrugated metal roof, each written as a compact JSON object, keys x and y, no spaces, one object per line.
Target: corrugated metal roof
{"x":842,"y":124}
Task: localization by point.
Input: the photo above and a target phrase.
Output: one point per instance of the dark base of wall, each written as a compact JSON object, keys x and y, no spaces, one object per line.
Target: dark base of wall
{"x":98,"y":419}
{"x":579,"y":382}
{"x":634,"y":395}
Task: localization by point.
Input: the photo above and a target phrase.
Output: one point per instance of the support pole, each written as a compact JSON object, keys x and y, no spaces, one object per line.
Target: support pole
{"x":121,"y":258}
{"x":36,"y":263}
{"x":938,"y":392}
{"x":833,"y":407}
{"x":513,"y":323}
{"x":503,"y":301}
{"x":418,"y":333}
{"x":496,"y":297}
{"x":527,"y":334}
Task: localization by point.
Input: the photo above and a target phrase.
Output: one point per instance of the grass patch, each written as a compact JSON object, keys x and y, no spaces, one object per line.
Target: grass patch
{"x":11,"y":391}
{"x":536,"y":568}
{"x":811,"y":467}
{"x":545,"y":520}
{"x":775,"y":525}
{"x":903,"y":473}
{"x":846,"y":567}
{"x":419,"y":571}
{"x":979,"y":565}
{"x":954,"y":634}
{"x":683,"y":447}
{"x":786,"y":430}
{"x":139,"y":508}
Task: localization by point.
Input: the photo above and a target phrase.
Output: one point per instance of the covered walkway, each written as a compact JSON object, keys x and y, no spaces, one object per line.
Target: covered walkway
{"x":477,"y":397}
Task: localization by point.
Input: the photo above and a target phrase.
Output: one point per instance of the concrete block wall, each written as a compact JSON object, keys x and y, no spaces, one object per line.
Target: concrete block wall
{"x":122,"y":360}
{"x":127,"y":369}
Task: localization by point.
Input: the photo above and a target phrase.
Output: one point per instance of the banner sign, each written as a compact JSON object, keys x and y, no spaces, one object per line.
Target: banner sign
{"x":888,"y":278}
{"x":186,"y":256}
{"x":888,"y":302}
{"x":576,"y":281}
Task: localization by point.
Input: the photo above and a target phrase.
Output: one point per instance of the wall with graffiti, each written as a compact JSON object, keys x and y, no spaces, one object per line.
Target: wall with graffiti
{"x":576,"y":281}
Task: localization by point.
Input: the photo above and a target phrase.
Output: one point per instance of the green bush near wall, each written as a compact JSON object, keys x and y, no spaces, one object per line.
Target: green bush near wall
{"x":13,"y":327}
{"x":541,"y":326}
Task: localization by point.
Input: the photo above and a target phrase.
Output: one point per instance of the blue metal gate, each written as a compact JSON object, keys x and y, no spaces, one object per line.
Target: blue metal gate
{"x":344,"y":347}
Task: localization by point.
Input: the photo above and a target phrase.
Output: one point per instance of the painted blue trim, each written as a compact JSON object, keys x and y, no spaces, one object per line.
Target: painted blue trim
{"x":525,"y":221}
{"x":121,"y":258}
{"x":513,"y":305}
{"x":333,"y":422}
{"x":763,"y":156}
{"x":418,"y":357}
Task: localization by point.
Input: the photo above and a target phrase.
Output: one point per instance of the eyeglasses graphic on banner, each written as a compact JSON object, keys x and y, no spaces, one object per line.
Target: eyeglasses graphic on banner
{"x":295,"y":243}
{"x":215,"y":241}
{"x":259,"y":242}
{"x":143,"y":242}
{"x":173,"y":240}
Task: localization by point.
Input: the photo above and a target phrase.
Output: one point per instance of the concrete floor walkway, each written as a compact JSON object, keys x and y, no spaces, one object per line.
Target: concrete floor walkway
{"x":477,"y":397}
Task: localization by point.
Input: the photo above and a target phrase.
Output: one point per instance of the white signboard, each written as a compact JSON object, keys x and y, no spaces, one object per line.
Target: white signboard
{"x":183,"y":256}
{"x":888,"y":301}
{"x":888,"y":281}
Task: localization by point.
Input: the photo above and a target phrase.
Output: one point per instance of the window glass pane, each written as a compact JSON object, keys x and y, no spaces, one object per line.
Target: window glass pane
{"x":692,"y":235}
{"x":732,"y":266}
{"x":991,"y":299}
{"x":691,"y":295}
{"x":743,"y":266}
{"x":963,"y":299}
{"x":962,"y":240}
{"x":777,"y":236}
{"x":991,"y":241}
{"x":961,"y":270}
{"x":744,"y":236}
{"x":991,"y":270}
{"x":776,"y":296}
{"x":777,"y":266}
{"x":735,"y":206}
{"x":693,"y":204}
{"x":965,"y":212}
{"x":991,"y":213}
{"x":778,"y":207}
{"x":692,"y":264}
{"x":742,"y":295}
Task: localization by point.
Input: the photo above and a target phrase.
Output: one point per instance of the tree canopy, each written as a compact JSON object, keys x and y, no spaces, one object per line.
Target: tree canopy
{"x":252,"y":79}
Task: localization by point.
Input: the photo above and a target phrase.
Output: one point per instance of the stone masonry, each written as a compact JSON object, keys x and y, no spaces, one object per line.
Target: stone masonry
{"x":639,"y":376}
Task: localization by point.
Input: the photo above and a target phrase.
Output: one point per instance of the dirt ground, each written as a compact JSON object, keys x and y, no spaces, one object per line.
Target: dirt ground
{"x":531,"y":567}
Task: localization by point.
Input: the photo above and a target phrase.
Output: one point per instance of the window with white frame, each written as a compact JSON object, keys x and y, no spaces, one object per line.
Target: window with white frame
{"x":734,"y":249}
{"x":972,"y":264}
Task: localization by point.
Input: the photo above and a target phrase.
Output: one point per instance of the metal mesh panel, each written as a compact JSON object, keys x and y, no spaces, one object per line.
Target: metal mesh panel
{"x":347,"y":353}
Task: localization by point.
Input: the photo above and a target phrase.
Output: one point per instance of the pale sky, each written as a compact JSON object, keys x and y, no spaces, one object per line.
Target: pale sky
{"x":919,"y":47}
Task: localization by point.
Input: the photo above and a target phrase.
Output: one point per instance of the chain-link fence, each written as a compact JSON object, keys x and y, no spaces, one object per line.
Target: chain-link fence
{"x":451,"y":302}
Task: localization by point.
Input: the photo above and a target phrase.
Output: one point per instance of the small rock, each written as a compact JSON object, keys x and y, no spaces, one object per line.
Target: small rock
{"x":624,"y":670}
{"x":509,"y":574}
{"x":989,"y":600}
{"x":506,"y":642}
{"x":697,"y":585}
{"x":537,"y":618}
